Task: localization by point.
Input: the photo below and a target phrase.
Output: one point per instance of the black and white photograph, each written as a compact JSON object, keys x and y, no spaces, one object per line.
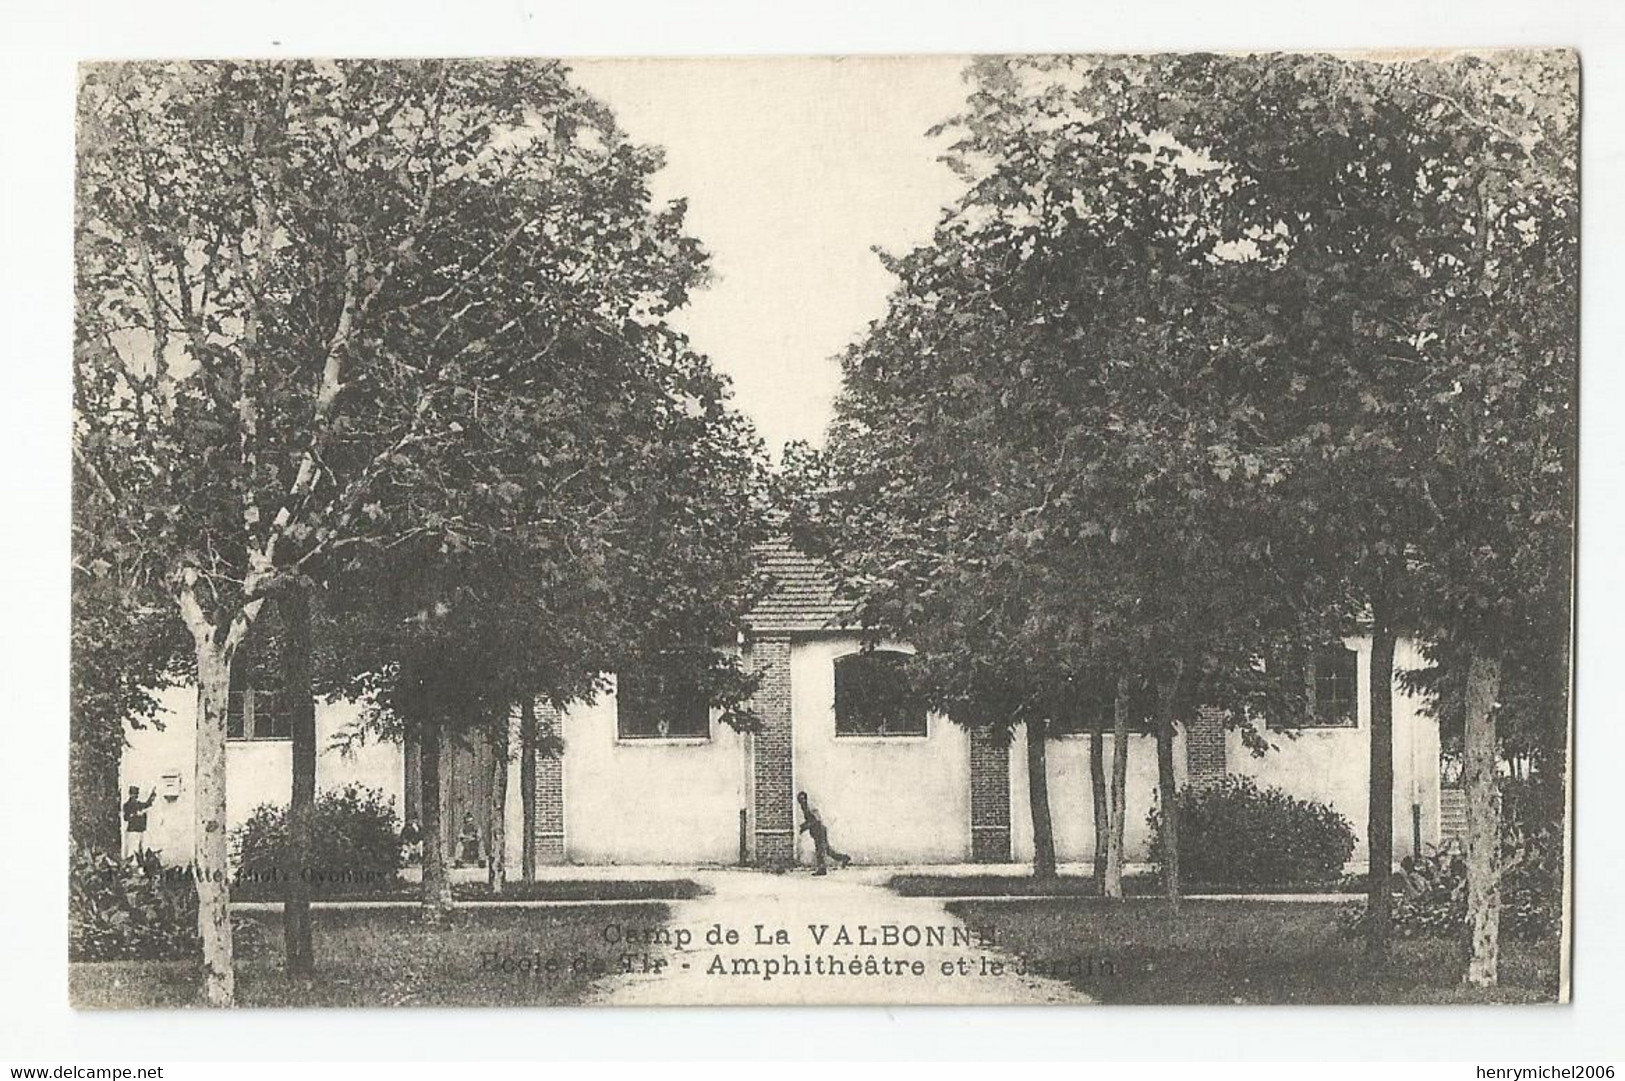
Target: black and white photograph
{"x":1003,"y":529}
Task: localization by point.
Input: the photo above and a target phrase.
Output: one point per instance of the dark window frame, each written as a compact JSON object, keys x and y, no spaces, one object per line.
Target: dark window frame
{"x":1095,"y":710}
{"x":902,"y":718}
{"x":1331,"y":691}
{"x":653,"y":710}
{"x":256,"y":715}
{"x":255,"y":712}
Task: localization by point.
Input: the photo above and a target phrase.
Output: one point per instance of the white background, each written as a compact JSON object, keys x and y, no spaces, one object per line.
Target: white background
{"x":46,"y":40}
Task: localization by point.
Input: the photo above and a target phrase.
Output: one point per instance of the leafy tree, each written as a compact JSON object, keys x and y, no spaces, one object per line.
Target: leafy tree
{"x":122,"y":650}
{"x":1496,"y":565}
{"x":1061,"y":322}
{"x":1332,"y":149}
{"x":1418,"y":284}
{"x":1191,"y":315}
{"x":1360,"y":202}
{"x":622,"y":549}
{"x":120,"y":656}
{"x":304,"y":286}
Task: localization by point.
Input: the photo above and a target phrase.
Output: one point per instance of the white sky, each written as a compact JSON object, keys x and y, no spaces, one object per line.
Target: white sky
{"x":794,"y":170}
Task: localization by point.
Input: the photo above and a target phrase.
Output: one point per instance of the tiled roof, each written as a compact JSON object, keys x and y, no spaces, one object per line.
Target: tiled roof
{"x":801,"y":596}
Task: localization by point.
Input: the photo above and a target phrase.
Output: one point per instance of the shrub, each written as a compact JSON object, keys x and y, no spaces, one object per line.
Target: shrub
{"x":1531,"y":890}
{"x":1236,"y":834}
{"x":1528,"y":910}
{"x":357,"y":844}
{"x":1533,"y":811}
{"x":129,"y":909}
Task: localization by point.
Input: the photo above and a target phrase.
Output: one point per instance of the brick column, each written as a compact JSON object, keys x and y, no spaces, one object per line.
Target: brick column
{"x":989,"y":796}
{"x":1204,"y":747}
{"x":549,"y":838}
{"x":772,"y":764}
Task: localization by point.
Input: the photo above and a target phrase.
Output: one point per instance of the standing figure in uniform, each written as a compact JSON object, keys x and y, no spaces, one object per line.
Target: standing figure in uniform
{"x":135,"y":819}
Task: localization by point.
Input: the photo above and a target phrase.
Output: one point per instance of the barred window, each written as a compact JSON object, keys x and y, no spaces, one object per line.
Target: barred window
{"x":257,"y":714}
{"x":1333,"y":686}
{"x":255,"y":708}
{"x":1091,"y":706}
{"x":652,"y":704}
{"x":873,"y":698}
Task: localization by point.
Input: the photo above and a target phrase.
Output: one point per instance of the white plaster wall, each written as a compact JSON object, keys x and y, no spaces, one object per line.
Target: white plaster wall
{"x":1071,"y":801}
{"x":647,"y":800}
{"x":257,"y":771}
{"x":885,"y":799}
{"x":1333,"y":765}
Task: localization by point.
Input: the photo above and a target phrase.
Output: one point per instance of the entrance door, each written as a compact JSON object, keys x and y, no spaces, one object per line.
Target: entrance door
{"x":465,"y":797}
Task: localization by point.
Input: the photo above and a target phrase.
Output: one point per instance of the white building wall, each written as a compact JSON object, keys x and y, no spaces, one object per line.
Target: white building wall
{"x":1333,"y":765}
{"x":257,"y":771}
{"x":647,"y":800}
{"x":1328,"y":765}
{"x":1071,"y":801}
{"x":885,"y":799}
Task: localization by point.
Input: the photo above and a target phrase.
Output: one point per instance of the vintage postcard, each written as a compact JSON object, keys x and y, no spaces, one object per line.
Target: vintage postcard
{"x":944,"y":529}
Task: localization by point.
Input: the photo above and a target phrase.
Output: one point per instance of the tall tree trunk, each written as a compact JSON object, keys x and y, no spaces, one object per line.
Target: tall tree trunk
{"x":1038,"y":799}
{"x":1097,"y":794}
{"x":1167,"y":795}
{"x":1380,"y":809}
{"x":209,"y":855}
{"x":1483,"y":823}
{"x":496,"y":865}
{"x":1117,"y":800}
{"x":436,"y":883}
{"x":215,"y":646}
{"x":299,"y":700}
{"x":527,"y":788}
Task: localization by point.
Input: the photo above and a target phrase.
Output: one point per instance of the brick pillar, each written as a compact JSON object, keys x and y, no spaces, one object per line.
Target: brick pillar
{"x":549,"y":837}
{"x":1204,"y":747}
{"x":772,"y":764}
{"x":989,"y":796}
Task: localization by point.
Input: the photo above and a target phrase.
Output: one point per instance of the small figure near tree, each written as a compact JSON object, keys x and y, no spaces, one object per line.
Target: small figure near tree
{"x":135,"y":819}
{"x":814,"y":826}
{"x":468,"y":843}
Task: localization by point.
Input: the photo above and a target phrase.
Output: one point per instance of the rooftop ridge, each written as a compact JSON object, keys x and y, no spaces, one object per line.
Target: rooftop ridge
{"x":802,"y":596}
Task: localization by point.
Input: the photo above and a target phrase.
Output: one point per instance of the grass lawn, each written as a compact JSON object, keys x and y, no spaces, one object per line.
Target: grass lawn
{"x":495,"y":957}
{"x":586,"y":889}
{"x":1240,"y":952}
{"x":1025,"y":885}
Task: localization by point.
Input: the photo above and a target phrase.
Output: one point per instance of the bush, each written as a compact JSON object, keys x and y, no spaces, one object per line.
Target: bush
{"x":1529,"y":912}
{"x":357,"y":844}
{"x":1531,"y":890}
{"x":1237,"y":834}
{"x":1533,"y":811}
{"x":130,"y":910}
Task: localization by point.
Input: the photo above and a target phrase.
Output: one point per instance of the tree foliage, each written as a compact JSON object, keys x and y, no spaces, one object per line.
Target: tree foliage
{"x":344,"y":320}
{"x":1218,"y":359}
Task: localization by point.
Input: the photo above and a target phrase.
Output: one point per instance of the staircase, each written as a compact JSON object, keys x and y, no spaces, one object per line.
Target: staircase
{"x":1453,"y":815}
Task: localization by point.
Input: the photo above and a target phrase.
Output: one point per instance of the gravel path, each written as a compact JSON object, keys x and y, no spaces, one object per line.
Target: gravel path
{"x":845,"y":917}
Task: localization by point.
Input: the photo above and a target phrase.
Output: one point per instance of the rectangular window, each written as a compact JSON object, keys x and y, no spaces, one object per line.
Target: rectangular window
{"x":873,"y":698}
{"x":655,"y":705}
{"x":1092,"y":707}
{"x":257,"y":714}
{"x":252,"y":712}
{"x":1332,"y":689}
